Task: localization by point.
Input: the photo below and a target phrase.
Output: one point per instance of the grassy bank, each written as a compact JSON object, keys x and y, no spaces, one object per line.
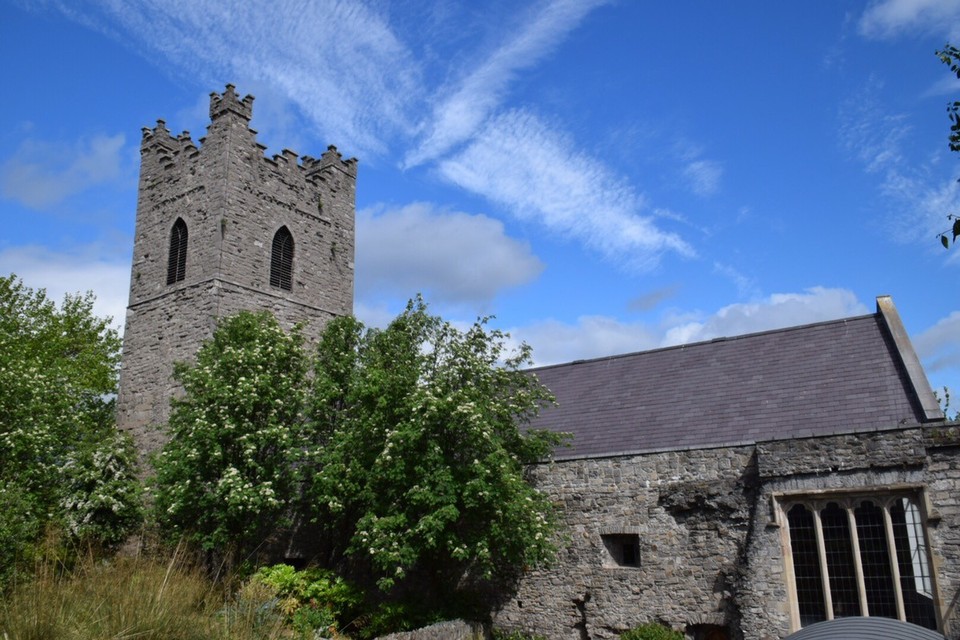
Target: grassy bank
{"x":133,"y":598}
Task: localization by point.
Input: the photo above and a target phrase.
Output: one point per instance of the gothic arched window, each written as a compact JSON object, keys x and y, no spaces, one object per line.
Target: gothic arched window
{"x":177,"y":261}
{"x":281,"y":260}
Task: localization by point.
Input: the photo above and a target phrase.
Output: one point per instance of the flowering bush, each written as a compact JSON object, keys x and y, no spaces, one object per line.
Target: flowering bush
{"x":101,"y":496}
{"x":58,"y":380}
{"x":420,"y":457}
{"x":228,"y":476}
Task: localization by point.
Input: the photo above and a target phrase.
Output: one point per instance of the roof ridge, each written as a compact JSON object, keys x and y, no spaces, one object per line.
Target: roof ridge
{"x":701,"y":343}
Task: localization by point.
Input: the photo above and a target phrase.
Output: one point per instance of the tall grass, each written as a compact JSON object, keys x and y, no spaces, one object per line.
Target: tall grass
{"x":129,"y":598}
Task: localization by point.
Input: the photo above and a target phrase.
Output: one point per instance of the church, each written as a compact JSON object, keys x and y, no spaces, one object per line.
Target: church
{"x":745,"y":487}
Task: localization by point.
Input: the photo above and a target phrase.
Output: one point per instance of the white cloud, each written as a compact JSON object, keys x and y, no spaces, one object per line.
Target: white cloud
{"x":891,"y":18}
{"x":779,"y":310}
{"x":920,"y":206}
{"x":42,"y":174}
{"x":939,"y":346}
{"x":948,"y":85}
{"x":374,"y":315}
{"x":538,"y":175}
{"x":916,"y":195}
{"x":746,"y":286}
{"x":448,"y":256}
{"x":600,"y":336}
{"x":868,"y":133}
{"x":704,"y":176}
{"x":85,"y":269}
{"x":460,"y":114}
{"x":591,"y":337}
{"x":338,"y":61}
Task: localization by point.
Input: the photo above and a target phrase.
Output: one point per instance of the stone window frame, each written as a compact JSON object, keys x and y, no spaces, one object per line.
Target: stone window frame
{"x":281,"y":259}
{"x":621,"y":547}
{"x":177,"y":257}
{"x":849,"y":499}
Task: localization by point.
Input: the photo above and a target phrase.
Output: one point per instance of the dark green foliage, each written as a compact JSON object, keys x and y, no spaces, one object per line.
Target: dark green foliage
{"x":515,"y":635}
{"x":62,"y":463}
{"x":229,"y":475}
{"x":409,"y":456}
{"x":651,"y":631}
{"x":420,"y":458}
{"x":311,"y":600}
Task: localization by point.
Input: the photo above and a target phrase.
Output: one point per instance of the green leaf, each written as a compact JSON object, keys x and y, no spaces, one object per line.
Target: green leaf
{"x":944,"y":241}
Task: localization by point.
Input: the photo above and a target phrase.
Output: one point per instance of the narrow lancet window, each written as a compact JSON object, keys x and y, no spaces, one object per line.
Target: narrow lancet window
{"x":177,"y":261}
{"x":281,"y":260}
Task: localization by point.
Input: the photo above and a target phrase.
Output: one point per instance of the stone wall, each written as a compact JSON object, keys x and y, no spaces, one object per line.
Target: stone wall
{"x":233,"y":200}
{"x":710,"y":539}
{"x":691,"y":511}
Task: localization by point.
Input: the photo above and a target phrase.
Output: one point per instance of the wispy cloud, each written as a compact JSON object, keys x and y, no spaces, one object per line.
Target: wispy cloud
{"x":461,"y":112}
{"x":40,"y":174}
{"x":891,"y":18}
{"x":358,"y":84}
{"x":449,"y":256}
{"x":539,"y":175}
{"x":917,"y":195}
{"x":338,"y":61}
{"x":746,"y":286}
{"x":868,"y":132}
{"x":704,"y":176}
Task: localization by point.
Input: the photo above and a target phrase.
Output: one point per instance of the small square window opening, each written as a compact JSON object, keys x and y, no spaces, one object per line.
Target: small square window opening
{"x":622,"y":550}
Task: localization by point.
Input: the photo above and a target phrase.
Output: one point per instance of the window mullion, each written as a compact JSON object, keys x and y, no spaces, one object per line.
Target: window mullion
{"x":857,"y":561}
{"x":894,"y":566}
{"x":822,"y":556}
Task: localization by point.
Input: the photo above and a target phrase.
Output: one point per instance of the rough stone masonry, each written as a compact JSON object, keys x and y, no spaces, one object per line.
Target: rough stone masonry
{"x":232,"y":201}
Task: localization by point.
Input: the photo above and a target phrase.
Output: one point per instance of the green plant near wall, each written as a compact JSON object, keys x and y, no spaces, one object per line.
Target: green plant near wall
{"x":311,"y":600}
{"x":515,"y":635}
{"x":651,"y":631}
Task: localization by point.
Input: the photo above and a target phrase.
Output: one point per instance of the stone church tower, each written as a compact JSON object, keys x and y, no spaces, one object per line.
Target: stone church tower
{"x":221,"y":228}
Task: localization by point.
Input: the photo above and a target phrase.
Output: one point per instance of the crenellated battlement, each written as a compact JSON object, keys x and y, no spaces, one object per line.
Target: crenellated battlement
{"x":168,"y":149}
{"x":230,"y":102}
{"x":228,"y":201}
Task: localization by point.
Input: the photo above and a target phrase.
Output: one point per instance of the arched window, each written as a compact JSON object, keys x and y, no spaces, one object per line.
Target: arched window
{"x":281,"y":260}
{"x":177,"y":261}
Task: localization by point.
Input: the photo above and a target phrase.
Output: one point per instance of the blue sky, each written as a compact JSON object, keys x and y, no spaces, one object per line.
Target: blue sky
{"x":604,"y":177}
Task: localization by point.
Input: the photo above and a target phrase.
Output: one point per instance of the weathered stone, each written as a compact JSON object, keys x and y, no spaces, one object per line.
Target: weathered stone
{"x":711,"y":548}
{"x":233,"y":201}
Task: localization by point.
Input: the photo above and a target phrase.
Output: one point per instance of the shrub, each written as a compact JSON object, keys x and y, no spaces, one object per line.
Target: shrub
{"x":309,"y":600}
{"x":515,"y":635}
{"x":651,"y":631}
{"x":62,"y":465}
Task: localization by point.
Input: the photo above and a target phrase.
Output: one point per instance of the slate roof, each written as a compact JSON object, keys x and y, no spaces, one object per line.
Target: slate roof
{"x":851,"y":375}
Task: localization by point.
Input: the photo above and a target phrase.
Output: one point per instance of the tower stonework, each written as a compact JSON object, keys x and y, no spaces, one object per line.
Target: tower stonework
{"x":221,"y":228}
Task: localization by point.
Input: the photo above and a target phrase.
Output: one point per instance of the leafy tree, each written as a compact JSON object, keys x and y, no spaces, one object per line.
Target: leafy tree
{"x":950,"y":56}
{"x":58,"y":377}
{"x":228,"y":475}
{"x":421,"y":458}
